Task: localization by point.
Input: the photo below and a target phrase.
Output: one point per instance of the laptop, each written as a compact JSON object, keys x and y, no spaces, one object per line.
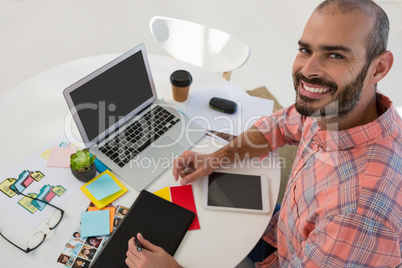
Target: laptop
{"x":122,"y":121}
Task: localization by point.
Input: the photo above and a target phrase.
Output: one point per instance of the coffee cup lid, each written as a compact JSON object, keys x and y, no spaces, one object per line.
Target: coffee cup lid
{"x":181,"y":78}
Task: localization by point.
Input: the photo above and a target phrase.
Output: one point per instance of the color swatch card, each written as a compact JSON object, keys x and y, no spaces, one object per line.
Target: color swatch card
{"x":95,"y":223}
{"x":182,"y":196}
{"x":104,"y":189}
{"x":100,"y":167}
{"x":60,"y":156}
{"x":112,"y":211}
{"x":164,"y":193}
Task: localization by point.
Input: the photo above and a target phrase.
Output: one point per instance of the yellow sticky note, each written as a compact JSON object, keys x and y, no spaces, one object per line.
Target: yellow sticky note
{"x":164,"y":193}
{"x":105,"y":201}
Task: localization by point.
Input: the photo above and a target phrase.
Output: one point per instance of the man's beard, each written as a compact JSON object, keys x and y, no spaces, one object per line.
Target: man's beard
{"x":341,"y":105}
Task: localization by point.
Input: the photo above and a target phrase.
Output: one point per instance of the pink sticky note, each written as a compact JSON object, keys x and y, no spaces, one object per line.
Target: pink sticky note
{"x":60,"y":157}
{"x":183,"y":196}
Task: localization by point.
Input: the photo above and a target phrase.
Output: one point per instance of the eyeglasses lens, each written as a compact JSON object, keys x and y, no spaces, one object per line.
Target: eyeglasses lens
{"x":36,"y":240}
{"x":54,"y":219}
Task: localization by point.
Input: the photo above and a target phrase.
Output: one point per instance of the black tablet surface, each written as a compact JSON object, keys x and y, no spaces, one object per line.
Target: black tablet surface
{"x":226,"y":190}
{"x":161,"y":222}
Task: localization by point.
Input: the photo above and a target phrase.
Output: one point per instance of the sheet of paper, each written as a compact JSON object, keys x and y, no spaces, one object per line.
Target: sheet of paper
{"x":103,"y":187}
{"x":95,"y":223}
{"x":112,"y":211}
{"x":34,"y":178}
{"x":60,"y":157}
{"x":184,"y":197}
{"x":164,"y":193}
{"x":100,"y":167}
{"x":61,"y":252}
{"x":250,"y":109}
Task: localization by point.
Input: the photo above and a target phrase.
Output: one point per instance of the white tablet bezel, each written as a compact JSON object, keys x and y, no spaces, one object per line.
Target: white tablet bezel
{"x":264,"y":194}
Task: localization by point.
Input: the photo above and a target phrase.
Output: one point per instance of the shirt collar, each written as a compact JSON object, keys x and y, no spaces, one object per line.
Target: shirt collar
{"x":383,"y":126}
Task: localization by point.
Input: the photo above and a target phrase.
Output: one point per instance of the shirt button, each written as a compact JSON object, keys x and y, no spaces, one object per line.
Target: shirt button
{"x":328,"y":149}
{"x":316,"y":146}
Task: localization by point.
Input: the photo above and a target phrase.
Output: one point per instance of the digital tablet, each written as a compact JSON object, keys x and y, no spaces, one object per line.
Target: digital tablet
{"x":161,"y":222}
{"x":225,"y":190}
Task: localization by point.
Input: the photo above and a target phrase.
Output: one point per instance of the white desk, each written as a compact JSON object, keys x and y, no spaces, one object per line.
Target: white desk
{"x":33,"y":114}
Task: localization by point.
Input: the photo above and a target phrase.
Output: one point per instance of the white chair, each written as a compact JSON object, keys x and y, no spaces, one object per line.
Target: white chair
{"x":399,"y":110}
{"x":205,"y":47}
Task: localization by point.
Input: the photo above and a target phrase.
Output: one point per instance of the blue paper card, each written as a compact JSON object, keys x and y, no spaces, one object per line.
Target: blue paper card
{"x":95,"y":223}
{"x":103,"y":187}
{"x":100,"y":167}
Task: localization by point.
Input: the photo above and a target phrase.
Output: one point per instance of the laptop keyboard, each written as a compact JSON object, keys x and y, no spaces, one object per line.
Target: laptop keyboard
{"x":139,"y":135}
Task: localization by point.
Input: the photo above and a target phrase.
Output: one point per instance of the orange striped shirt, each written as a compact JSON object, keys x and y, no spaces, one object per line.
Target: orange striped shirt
{"x":343,"y":201}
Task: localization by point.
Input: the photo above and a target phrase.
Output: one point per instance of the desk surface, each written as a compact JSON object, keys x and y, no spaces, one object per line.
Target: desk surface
{"x":224,"y":239}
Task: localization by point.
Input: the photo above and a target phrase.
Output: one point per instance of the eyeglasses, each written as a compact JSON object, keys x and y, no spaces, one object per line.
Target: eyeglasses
{"x":37,"y":239}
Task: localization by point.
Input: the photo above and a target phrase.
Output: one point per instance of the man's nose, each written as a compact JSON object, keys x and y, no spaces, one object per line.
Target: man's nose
{"x":313,"y":67}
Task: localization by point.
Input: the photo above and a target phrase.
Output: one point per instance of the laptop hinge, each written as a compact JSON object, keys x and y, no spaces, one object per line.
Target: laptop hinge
{"x":145,"y":108}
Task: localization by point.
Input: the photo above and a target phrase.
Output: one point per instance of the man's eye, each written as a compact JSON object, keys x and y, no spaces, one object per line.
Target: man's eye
{"x":304,"y":50}
{"x":336,"y":56}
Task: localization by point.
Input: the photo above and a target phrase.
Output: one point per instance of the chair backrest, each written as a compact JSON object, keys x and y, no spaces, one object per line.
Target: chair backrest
{"x":194,"y":43}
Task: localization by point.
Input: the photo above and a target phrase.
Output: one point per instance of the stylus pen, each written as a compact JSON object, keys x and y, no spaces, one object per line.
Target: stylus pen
{"x":138,"y":244}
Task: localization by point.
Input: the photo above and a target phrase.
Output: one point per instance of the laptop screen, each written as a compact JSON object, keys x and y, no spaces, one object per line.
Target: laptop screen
{"x":110,"y":94}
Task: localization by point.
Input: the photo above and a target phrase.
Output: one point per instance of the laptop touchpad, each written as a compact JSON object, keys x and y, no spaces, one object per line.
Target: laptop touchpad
{"x":164,"y":151}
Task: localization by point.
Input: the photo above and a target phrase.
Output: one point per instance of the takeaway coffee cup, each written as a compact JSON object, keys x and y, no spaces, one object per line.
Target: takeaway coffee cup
{"x":181,"y":81}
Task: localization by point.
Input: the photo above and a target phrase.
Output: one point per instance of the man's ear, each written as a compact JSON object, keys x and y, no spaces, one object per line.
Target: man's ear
{"x":381,"y":66}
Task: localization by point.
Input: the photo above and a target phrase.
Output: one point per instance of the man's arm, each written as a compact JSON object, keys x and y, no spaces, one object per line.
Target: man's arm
{"x":191,"y":166}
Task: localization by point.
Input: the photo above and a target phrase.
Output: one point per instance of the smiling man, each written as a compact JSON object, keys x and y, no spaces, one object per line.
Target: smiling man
{"x":335,"y":73}
{"x":343,"y":201}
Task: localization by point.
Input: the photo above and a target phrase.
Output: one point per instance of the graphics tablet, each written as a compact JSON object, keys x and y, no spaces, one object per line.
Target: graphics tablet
{"x":161,"y":222}
{"x":226,"y":190}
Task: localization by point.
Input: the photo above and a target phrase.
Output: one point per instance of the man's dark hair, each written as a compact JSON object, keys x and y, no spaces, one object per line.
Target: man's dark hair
{"x":377,"y":39}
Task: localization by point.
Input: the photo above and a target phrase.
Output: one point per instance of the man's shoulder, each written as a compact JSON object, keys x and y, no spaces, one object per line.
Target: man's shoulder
{"x":380,"y":185}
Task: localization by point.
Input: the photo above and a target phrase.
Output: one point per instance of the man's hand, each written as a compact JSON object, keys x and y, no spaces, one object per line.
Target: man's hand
{"x":191,"y":166}
{"x":150,"y":256}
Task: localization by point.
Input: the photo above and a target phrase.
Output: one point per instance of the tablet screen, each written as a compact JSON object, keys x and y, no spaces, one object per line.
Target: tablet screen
{"x":235,"y":191}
